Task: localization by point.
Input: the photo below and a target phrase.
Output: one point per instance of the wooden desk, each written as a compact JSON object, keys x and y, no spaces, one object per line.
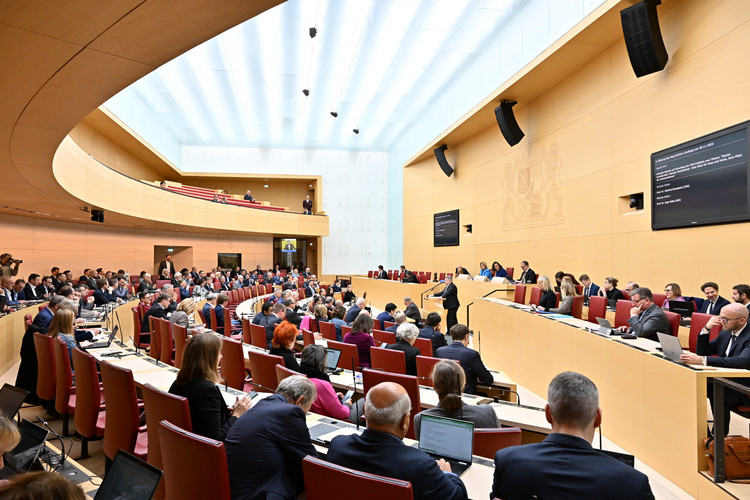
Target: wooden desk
{"x":653,"y":408}
{"x":12,"y":330}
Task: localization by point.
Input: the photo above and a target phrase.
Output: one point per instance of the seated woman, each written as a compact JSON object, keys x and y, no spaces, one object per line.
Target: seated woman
{"x":284,"y":337}
{"x":199,"y":291}
{"x":560,"y":275}
{"x":197,"y":381}
{"x":609,"y":289}
{"x":349,"y":295}
{"x":498,"y":271}
{"x":673,"y":293}
{"x":320,"y":313}
{"x":449,"y":378}
{"x":339,"y":312}
{"x":483,"y":271}
{"x":329,"y":402}
{"x":9,"y":437}
{"x":361,"y":336}
{"x":548,"y":300}
{"x":567,"y":293}
{"x":181,"y":317}
{"x":62,"y":326}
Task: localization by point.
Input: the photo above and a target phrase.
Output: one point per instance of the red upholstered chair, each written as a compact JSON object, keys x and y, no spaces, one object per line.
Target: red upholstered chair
{"x":369,"y":274}
{"x":388,"y":324}
{"x":246,"y":331}
{"x":219,"y":330}
{"x":674,"y":322}
{"x":89,"y":416}
{"x":320,"y":475}
{"x":123,"y":430}
{"x":179,"y":334}
{"x":46,"y":382}
{"x":182,"y":454}
{"x":327,"y":330}
{"x":389,"y":360}
{"x":536,"y":295}
{"x":510,"y":271}
{"x":622,"y":313}
{"x":154,"y":349}
{"x":263,"y":370}
{"x":308,"y":337}
{"x":441,"y":277}
{"x":424,"y":346}
{"x":697,"y":322}
{"x":160,"y":405}
{"x":344,"y":330}
{"x":659,"y":299}
{"x":65,"y":392}
{"x":349,"y":356}
{"x":258,"y":336}
{"x":488,"y":441}
{"x":597,"y":308}
{"x":233,"y":363}
{"x":383,"y":336}
{"x":166,"y":341}
{"x":269,"y":288}
{"x":557,"y":299}
{"x":202,"y":316}
{"x":625,"y":294}
{"x":283,"y":372}
{"x":371,"y":378}
{"x":577,"y":307}
{"x":519,"y":295}
{"x":425,"y":364}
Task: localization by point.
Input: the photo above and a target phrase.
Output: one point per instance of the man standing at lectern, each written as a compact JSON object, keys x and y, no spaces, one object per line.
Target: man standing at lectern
{"x":450,"y":301}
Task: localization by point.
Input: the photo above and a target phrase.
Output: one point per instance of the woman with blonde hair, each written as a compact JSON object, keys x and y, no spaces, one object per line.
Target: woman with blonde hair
{"x":62,"y":326}
{"x":197,"y":381}
{"x":548,"y":300}
{"x":484,"y":271}
{"x":9,"y":437}
{"x":181,"y":316}
{"x":568,"y":293}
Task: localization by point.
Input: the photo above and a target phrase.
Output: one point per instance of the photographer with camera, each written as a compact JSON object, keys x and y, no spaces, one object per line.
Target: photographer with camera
{"x":6,"y":261}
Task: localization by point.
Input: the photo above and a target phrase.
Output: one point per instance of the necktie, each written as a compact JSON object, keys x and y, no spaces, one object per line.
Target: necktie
{"x":586,"y":292}
{"x":710,"y":307}
{"x":731,"y":343}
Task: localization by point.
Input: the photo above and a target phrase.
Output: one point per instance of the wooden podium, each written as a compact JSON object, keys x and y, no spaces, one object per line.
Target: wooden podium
{"x":435,"y":304}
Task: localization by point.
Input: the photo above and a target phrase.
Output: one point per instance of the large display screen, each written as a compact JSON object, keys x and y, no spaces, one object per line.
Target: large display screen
{"x":701,"y":182}
{"x":446,"y":229}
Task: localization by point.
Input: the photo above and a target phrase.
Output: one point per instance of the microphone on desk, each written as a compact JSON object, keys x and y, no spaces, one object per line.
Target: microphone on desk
{"x":518,"y":398}
{"x":58,"y":436}
{"x":356,"y":409}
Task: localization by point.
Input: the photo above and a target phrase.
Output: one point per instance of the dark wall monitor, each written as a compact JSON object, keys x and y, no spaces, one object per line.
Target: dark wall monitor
{"x":703,"y":181}
{"x":446,"y":229}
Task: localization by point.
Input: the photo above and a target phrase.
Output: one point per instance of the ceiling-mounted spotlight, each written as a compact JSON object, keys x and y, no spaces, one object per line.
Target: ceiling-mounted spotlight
{"x":313,"y":32}
{"x":356,"y":130}
{"x":334,"y":114}
{"x":306,"y":92}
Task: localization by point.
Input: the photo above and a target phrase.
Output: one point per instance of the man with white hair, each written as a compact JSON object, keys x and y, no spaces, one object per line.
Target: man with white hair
{"x":381,"y":450}
{"x":399,"y":318}
{"x":354,"y":311}
{"x":406,"y":334}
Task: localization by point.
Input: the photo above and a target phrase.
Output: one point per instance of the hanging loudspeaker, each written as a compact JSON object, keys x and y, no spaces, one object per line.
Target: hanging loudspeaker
{"x":640,"y":27}
{"x":440,"y":157}
{"x":507,"y":122}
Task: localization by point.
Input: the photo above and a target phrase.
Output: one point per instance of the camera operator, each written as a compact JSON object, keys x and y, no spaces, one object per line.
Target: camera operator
{"x":7,"y":260}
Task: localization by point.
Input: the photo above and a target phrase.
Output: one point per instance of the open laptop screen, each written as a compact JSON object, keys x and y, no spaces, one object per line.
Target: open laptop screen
{"x":129,"y":479}
{"x":446,"y":437}
{"x":332,"y":358}
{"x":11,"y":399}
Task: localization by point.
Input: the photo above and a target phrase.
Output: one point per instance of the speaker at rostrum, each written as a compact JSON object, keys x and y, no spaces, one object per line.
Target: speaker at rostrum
{"x":640,"y":26}
{"x":440,"y":157}
{"x":507,"y":122}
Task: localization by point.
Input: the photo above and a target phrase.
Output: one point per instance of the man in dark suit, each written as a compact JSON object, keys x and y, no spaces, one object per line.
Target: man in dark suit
{"x":470,"y":360}
{"x":646,"y":318}
{"x":278,"y":313}
{"x":266,"y":445}
{"x":410,"y":278}
{"x":382,"y":275}
{"x":406,"y":334}
{"x":432,"y":331}
{"x":741,"y":295}
{"x":399,"y":318}
{"x":730,"y":349}
{"x":44,"y":317}
{"x":589,"y":288}
{"x":354,"y":311}
{"x":528,"y":275}
{"x":158,"y":310}
{"x":714,"y":302}
{"x":450,"y":302}
{"x":30,"y":291}
{"x":565,"y":466}
{"x":411,"y":310}
{"x":166,"y":264}
{"x":46,"y":289}
{"x":103,"y":294}
{"x":291,"y":314}
{"x":146,"y":285}
{"x":380,"y":449}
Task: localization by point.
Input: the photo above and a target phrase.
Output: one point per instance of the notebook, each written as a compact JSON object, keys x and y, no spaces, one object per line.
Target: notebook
{"x":25,"y":455}
{"x":104,"y":343}
{"x":684,"y":308}
{"x":332,"y":360}
{"x":129,"y":478}
{"x":449,"y":439}
{"x":11,"y":399}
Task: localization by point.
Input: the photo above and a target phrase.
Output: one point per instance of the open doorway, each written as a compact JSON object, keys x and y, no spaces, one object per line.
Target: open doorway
{"x":182,"y":257}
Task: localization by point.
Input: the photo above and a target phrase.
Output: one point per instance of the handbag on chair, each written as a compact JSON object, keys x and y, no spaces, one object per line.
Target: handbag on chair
{"x":736,"y":457}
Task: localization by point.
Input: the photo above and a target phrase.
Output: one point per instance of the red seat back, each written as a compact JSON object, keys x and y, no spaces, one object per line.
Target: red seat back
{"x":88,"y":393}
{"x":659,"y":299}
{"x":424,"y":346}
{"x":510,"y":271}
{"x":388,"y":324}
{"x":697,"y":322}
{"x":425,"y":364}
{"x":64,"y":375}
{"x":344,"y":330}
{"x":369,"y":274}
{"x":182,"y":454}
{"x":488,"y":441}
{"x":121,"y":403}
{"x":349,"y":356}
{"x":258,"y":336}
{"x":536,"y":295}
{"x":179,"y":334}
{"x":137,"y":322}
{"x":214,"y":323}
{"x":154,"y":348}
{"x":320,"y":475}
{"x":46,"y":382}
{"x":383,"y":336}
{"x":263,"y":371}
{"x":577,"y":307}
{"x":674,"y":322}
{"x":160,"y":405}
{"x":246,"y":331}
{"x":372,"y":378}
{"x":308,"y":337}
{"x":327,"y":330}
{"x":166,"y":341}
{"x":233,"y":363}
{"x":283,"y":372}
{"x":597,"y":308}
{"x":622,"y":313}
{"x":389,"y":360}
{"x":519,"y":295}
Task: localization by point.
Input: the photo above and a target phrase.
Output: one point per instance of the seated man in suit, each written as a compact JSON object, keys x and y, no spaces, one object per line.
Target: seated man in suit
{"x":432,"y":331}
{"x":157,"y":310}
{"x":589,"y":288}
{"x":31,"y":290}
{"x":646,"y":318}
{"x":406,"y":334}
{"x":291,"y":314}
{"x":386,"y":315}
{"x":528,"y":275}
{"x":741,"y":295}
{"x":145,"y":285}
{"x":410,"y":278}
{"x":470,"y":360}
{"x":265,"y":311}
{"x":382,"y":275}
{"x":730,"y":349}
{"x":206,"y":309}
{"x":714,"y":302}
{"x":266,"y":445}
{"x":278,"y":313}
{"x":103,"y":293}
{"x":44,"y":317}
{"x":354,"y":311}
{"x":411,"y":310}
{"x":399,"y":318}
{"x":564,"y":465}
{"x":380,"y":449}
{"x":122,"y":291}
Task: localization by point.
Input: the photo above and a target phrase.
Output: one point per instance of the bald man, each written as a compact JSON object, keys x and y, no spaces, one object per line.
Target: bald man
{"x":730,"y":349}
{"x":380,"y":449}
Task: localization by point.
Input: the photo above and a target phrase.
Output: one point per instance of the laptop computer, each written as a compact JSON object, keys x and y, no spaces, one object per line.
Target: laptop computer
{"x":332,"y":360}
{"x":612,"y":304}
{"x":104,"y":343}
{"x":605,"y":327}
{"x":129,"y":478}
{"x":670,"y":346}
{"x":449,"y":439}
{"x":11,"y":399}
{"x":25,"y":456}
{"x":684,"y":308}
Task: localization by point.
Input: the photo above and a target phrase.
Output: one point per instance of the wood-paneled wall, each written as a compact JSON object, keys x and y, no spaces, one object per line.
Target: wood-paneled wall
{"x":554,"y":198}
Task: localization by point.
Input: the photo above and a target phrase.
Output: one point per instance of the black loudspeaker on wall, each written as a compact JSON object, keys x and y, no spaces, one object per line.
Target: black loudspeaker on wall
{"x":640,"y":26}
{"x":507,"y":122}
{"x":440,"y":157}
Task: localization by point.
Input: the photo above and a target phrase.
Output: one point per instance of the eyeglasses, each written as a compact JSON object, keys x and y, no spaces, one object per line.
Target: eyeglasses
{"x":667,"y":290}
{"x":636,"y":301}
{"x":724,"y":318}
